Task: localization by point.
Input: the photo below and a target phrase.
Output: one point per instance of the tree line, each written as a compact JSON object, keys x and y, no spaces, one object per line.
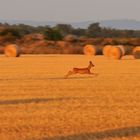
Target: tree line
{"x":59,"y":31}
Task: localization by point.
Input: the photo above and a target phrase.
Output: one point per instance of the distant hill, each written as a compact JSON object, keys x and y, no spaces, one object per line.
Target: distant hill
{"x":118,"y":24}
{"x":29,"y":22}
{"x":121,"y":24}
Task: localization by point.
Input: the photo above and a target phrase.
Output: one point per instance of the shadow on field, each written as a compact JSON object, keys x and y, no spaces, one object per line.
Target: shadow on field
{"x":59,"y":78}
{"x":115,"y":133}
{"x":49,"y":78}
{"x":35,"y":100}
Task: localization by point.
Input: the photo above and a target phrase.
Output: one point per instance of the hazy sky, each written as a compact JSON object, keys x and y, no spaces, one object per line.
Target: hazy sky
{"x":69,"y":10}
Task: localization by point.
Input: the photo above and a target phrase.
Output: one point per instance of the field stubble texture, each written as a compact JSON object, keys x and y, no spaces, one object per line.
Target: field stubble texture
{"x":38,"y":103}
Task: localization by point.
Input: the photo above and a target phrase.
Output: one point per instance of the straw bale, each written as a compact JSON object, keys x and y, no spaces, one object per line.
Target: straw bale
{"x":106,"y":50}
{"x":136,"y":52}
{"x":89,"y":50}
{"x":12,"y":50}
{"x":115,"y":53}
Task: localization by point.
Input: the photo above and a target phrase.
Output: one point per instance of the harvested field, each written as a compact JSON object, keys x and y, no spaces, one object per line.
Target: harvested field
{"x":38,"y":103}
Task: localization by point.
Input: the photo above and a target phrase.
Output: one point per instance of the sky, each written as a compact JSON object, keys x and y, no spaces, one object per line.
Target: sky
{"x":69,"y":10}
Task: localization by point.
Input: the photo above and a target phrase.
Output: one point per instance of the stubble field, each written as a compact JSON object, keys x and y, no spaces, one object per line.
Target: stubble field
{"x":38,"y":103}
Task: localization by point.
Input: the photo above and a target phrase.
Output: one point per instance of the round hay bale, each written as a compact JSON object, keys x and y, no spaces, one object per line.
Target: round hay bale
{"x":91,"y":50}
{"x":123,"y":49}
{"x":126,"y":50}
{"x":106,"y":50}
{"x":136,"y":52}
{"x":115,"y":53}
{"x":118,"y":51}
{"x":12,"y":50}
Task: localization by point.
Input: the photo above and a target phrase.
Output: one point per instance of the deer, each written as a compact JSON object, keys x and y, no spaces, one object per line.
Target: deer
{"x":85,"y":70}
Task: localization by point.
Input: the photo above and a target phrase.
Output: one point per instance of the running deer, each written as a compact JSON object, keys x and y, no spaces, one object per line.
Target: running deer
{"x":81,"y":70}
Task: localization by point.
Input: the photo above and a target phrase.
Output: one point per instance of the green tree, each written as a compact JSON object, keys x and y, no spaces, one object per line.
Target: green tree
{"x":52,"y":34}
{"x":14,"y":32}
{"x":65,"y":29}
{"x":79,"y":32}
{"x":94,"y":30}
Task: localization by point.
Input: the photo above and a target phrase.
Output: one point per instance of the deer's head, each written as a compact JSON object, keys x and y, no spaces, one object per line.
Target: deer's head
{"x":91,"y":64}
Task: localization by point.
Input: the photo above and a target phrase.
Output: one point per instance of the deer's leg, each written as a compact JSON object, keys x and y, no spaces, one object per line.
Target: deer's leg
{"x":91,"y":73}
{"x":69,"y":73}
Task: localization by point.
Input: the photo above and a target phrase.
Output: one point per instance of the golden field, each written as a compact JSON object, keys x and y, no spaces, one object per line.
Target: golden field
{"x":38,"y":103}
